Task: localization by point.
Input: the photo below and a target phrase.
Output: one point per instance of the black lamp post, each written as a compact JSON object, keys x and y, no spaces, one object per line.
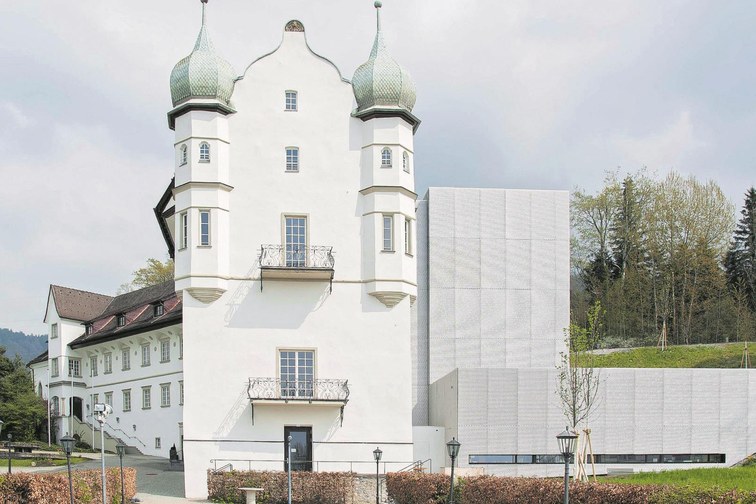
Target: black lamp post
{"x":567,"y":440}
{"x":68,"y":444}
{"x":10,"y":438}
{"x":121,"y":449}
{"x":377,"y":454}
{"x":452,"y":448}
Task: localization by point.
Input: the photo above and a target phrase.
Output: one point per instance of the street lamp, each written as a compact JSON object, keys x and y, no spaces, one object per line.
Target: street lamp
{"x":377,"y":454}
{"x":452,"y":448}
{"x":288,"y":464}
{"x":10,"y":438}
{"x":101,"y":415}
{"x":68,"y":444}
{"x":567,"y":440}
{"x":121,"y":449}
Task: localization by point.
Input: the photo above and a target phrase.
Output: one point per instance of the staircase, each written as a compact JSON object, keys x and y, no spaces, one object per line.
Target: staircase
{"x":112,"y":436}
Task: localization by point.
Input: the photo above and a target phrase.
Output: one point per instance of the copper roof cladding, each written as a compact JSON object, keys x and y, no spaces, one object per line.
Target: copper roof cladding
{"x":74,"y":304}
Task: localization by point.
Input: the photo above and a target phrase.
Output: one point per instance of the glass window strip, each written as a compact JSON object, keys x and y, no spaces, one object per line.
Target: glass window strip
{"x":629,"y":458}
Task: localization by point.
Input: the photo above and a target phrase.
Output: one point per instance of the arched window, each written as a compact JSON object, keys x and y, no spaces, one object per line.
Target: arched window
{"x":405,"y":162}
{"x":386,"y":158}
{"x":184,"y":155}
{"x":204,"y":152}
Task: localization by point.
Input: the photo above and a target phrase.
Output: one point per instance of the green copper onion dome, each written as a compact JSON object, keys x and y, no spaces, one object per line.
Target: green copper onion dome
{"x":381,"y":81}
{"x":202,"y":74}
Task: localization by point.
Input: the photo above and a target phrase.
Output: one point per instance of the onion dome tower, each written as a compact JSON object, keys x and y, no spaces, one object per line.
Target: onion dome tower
{"x":201,"y":88}
{"x":385,"y":95}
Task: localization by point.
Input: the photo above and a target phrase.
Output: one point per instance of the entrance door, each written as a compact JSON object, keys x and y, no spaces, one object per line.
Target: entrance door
{"x":301,"y":447}
{"x":77,"y":409}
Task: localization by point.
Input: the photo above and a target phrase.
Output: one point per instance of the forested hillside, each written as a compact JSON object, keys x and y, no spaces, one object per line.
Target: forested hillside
{"x":23,"y":345}
{"x":664,"y":254}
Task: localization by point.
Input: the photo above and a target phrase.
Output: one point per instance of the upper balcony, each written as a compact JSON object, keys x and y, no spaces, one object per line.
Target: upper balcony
{"x":328,"y":392}
{"x":296,"y":262}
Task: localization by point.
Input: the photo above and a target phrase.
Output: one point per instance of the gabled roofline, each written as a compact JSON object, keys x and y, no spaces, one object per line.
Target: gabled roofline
{"x":161,"y":215}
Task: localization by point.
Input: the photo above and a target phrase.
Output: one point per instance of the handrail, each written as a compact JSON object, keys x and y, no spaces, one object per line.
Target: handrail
{"x":298,"y":390}
{"x":296,"y":257}
{"x":230,"y":467}
{"x":317,"y":463}
{"x":416,"y":464}
{"x":124,"y":433}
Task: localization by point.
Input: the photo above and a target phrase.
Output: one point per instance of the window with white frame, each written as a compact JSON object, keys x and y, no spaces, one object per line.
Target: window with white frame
{"x":386,"y":158}
{"x":95,"y":399}
{"x":53,"y":331}
{"x":126,"y":399}
{"x":54,"y":406}
{"x":54,"y":371}
{"x":121,"y":320}
{"x":388,"y":233}
{"x":181,"y":392}
{"x":296,"y":241}
{"x":291,"y":101}
{"x":292,"y":159}
{"x":183,"y":230}
{"x":181,"y":347}
{"x":146,"y":397}
{"x":157,"y":443}
{"x":146,"y":354}
{"x":125,"y":359}
{"x":204,"y":236}
{"x":165,"y":351}
{"x":93,"y":365}
{"x":407,"y":236}
{"x":107,"y":363}
{"x":297,"y":372}
{"x":406,"y":162}
{"x":158,"y":309}
{"x":74,"y":367}
{"x":184,"y":154}
{"x":109,"y":399}
{"x":165,"y":395}
{"x":204,"y":152}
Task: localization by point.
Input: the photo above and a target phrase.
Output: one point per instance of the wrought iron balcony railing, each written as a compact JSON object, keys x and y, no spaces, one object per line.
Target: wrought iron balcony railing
{"x":296,"y":257}
{"x":309,"y":391}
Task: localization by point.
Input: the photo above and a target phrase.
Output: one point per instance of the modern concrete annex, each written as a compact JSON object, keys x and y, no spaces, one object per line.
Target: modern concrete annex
{"x":316,"y":297}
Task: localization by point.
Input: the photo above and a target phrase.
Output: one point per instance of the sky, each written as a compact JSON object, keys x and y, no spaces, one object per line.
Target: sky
{"x":518,"y":94}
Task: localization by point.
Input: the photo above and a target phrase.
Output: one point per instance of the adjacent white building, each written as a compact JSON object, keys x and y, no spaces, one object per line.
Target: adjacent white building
{"x":316,"y":297}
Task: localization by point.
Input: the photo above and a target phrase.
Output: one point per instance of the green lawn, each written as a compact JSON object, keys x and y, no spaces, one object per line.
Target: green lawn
{"x":692,"y":356}
{"x":740,"y":478}
{"x":38,"y":462}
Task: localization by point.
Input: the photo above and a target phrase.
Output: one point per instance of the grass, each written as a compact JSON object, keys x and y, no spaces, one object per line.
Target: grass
{"x":39,"y":462}
{"x":727,"y":356}
{"x":730,"y":478}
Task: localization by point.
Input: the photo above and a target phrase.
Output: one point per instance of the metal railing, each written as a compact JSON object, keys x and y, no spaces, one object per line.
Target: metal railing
{"x":298,"y":390}
{"x":418,"y":465}
{"x":355,"y":466}
{"x":296,"y":257}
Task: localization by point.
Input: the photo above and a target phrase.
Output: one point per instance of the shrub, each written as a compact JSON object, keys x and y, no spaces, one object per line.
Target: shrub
{"x":29,"y":488}
{"x":307,"y":487}
{"x":419,"y":488}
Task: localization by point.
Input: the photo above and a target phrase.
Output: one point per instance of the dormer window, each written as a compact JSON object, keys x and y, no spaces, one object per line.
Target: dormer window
{"x":386,"y":158}
{"x":291,"y":101}
{"x":158,"y":310}
{"x":88,"y":329}
{"x":204,"y":152}
{"x":184,"y":154}
{"x":121,"y":320}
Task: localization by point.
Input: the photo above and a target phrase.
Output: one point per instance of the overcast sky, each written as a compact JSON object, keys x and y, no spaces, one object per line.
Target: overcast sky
{"x":517,"y":94}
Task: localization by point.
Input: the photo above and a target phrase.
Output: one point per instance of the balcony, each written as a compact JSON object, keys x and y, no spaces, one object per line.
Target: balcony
{"x":294,"y":262}
{"x":281,"y":391}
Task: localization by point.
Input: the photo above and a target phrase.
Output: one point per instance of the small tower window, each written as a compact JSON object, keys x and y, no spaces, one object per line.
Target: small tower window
{"x":405,"y":162}
{"x":184,"y":154}
{"x":388,"y":233}
{"x":292,"y":159}
{"x":291,"y":101}
{"x":121,"y":320}
{"x":204,"y":152}
{"x":204,"y":235}
{"x":386,"y":158}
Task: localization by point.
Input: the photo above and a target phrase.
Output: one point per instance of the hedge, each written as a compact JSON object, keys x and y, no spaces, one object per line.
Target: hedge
{"x":52,"y":488}
{"x":418,"y":488}
{"x":307,"y":487}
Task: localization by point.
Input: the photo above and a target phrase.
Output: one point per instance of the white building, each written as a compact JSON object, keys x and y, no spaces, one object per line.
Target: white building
{"x":316,"y":298}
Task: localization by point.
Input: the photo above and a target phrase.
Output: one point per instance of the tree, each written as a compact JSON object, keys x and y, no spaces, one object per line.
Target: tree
{"x":22,"y":411}
{"x":740,"y":262}
{"x":154,"y":273}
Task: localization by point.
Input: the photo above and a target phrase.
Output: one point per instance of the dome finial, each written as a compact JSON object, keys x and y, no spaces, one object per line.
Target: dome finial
{"x":204,"y":3}
{"x":378,"y":4}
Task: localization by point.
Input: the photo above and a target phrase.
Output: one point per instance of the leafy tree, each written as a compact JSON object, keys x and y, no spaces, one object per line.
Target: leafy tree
{"x":21,"y":410}
{"x":740,"y":262}
{"x":154,"y":273}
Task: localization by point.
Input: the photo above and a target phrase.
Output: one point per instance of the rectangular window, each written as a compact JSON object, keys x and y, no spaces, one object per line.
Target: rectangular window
{"x":157,"y":443}
{"x":95,"y":400}
{"x":54,"y":367}
{"x":93,"y":365}
{"x":292,"y":159}
{"x":121,"y":320}
{"x":88,"y":329}
{"x":165,"y":395}
{"x":53,"y":331}
{"x":109,"y":399}
{"x":146,"y":355}
{"x":181,"y":347}
{"x":74,"y":368}
{"x":297,"y":372}
{"x":291,"y":101}
{"x":296,"y":242}
{"x":181,"y":392}
{"x":388,"y":233}
{"x":127,"y":400}
{"x":146,"y":398}
{"x":407,"y":236}
{"x":183,"y":230}
{"x":165,"y":351}
{"x":108,"y":363}
{"x":125,"y":359}
{"x":204,"y":228}
{"x":158,"y":310}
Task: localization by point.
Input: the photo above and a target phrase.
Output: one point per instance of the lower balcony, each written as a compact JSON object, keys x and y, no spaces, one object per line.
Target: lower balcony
{"x":332,"y":392}
{"x":296,"y":262}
